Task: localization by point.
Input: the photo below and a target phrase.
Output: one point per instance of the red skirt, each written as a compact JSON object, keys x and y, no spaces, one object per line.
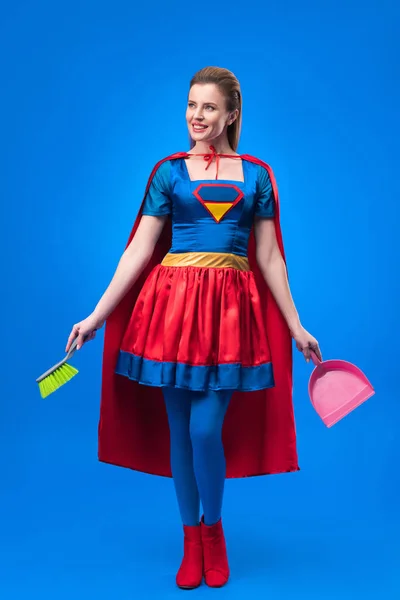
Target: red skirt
{"x":198,"y":328}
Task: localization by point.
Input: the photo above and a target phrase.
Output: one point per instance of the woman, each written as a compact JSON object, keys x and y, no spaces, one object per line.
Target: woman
{"x":199,"y":326}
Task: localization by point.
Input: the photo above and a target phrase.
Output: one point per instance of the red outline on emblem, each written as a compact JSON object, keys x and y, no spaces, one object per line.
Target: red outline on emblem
{"x":229,"y":185}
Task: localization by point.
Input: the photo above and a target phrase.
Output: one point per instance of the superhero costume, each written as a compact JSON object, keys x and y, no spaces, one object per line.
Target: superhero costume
{"x":201,"y":317}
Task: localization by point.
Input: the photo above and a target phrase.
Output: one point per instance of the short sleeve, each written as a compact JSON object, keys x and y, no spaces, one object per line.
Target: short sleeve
{"x":265,"y":202}
{"x":158,"y":198}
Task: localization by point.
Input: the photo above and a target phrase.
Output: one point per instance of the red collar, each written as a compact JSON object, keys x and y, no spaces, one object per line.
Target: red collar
{"x":213,"y":154}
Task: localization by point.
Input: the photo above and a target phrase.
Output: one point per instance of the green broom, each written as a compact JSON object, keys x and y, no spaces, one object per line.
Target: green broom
{"x":59,"y":374}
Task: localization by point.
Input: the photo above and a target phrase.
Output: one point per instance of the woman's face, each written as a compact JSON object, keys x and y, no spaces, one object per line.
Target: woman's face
{"x":206,"y":113}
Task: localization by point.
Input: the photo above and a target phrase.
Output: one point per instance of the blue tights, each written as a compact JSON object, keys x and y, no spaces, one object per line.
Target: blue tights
{"x":197,"y":454}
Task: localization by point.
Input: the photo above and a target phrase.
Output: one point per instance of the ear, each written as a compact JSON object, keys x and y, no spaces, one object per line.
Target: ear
{"x":232,"y":117}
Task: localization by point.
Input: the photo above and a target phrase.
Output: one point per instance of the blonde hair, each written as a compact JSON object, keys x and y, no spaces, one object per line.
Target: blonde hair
{"x":230,"y":88}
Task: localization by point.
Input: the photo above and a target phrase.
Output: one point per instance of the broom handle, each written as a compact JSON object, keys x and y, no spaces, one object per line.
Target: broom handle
{"x":56,"y":366}
{"x":73,"y":347}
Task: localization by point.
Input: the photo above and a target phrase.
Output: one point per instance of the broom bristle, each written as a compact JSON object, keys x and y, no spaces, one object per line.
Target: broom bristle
{"x":55,"y":380}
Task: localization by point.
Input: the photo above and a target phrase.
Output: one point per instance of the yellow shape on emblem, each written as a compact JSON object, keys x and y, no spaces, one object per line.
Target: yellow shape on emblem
{"x":218,"y":209}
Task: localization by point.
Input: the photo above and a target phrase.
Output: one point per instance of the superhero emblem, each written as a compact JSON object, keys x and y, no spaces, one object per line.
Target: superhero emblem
{"x":218,"y":198}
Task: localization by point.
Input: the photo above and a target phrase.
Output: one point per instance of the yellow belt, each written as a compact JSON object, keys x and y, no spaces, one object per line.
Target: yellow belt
{"x":206,"y":259}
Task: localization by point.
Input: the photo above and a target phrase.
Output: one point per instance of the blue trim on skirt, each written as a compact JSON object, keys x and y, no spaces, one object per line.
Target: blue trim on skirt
{"x":181,"y":375}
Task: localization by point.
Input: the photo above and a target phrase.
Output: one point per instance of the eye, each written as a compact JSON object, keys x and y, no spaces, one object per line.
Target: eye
{"x":210,"y":107}
{"x":190,"y":104}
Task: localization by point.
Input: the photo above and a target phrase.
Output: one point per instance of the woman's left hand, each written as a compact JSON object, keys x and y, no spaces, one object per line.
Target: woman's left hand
{"x":306,"y":342}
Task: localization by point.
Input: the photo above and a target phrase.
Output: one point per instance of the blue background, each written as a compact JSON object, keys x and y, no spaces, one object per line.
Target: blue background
{"x":93,"y":94}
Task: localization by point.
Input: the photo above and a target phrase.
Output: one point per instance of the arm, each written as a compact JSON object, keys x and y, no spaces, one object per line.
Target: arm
{"x":131,"y":264}
{"x":156,"y":208}
{"x":273,"y":269}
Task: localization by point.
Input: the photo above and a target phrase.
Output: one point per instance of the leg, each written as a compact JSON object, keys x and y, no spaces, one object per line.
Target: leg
{"x":190,"y":573}
{"x":178,"y":409}
{"x":206,"y":420}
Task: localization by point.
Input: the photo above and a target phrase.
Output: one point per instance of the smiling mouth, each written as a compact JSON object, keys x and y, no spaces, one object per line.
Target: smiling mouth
{"x":199,"y":128}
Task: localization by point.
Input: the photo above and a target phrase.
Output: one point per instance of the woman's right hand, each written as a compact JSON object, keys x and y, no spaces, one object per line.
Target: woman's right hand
{"x":85,"y":331}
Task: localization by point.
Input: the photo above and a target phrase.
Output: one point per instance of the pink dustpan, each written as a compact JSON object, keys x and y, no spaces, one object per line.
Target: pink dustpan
{"x":336,"y":387}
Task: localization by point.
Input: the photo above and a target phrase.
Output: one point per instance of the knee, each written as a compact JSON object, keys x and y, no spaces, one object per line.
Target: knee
{"x":203,"y":433}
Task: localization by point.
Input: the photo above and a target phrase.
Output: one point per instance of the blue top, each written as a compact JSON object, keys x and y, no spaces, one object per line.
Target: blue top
{"x":210,"y":215}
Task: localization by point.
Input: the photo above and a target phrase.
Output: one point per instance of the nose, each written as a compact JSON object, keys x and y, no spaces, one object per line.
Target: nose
{"x":198,"y":114}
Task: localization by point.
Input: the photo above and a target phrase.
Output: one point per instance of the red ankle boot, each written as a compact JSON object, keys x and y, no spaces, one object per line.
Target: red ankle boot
{"x":190,"y":573}
{"x":216,"y":568}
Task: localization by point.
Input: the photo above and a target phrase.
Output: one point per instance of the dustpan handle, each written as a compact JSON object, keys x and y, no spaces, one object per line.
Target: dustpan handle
{"x":314,"y":358}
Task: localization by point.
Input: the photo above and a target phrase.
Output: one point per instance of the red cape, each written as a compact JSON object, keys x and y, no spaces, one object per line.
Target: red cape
{"x":259,"y":430}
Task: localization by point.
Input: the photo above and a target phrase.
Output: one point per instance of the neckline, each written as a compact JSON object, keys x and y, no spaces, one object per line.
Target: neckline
{"x":242,"y":181}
